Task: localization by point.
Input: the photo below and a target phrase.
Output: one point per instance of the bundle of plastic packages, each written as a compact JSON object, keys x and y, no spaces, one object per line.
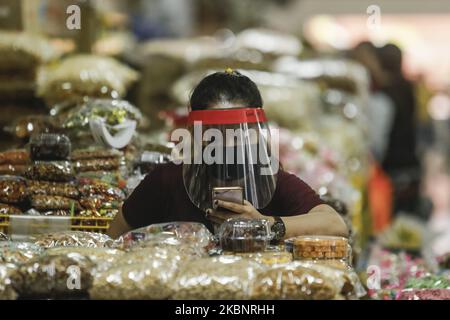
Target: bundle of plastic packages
{"x":12,"y":189}
{"x":192,"y":234}
{"x":14,"y":162}
{"x":146,"y":273}
{"x":57,"y":276}
{"x":85,"y":75}
{"x":7,"y":282}
{"x":18,"y":252}
{"x":216,"y":278}
{"x":74,"y":239}
{"x":294,"y":281}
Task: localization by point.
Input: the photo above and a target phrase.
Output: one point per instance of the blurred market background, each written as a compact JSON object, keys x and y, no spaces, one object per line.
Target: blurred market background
{"x":360,"y":91}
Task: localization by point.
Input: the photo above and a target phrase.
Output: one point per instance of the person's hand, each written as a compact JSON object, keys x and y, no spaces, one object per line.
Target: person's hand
{"x":245,"y":210}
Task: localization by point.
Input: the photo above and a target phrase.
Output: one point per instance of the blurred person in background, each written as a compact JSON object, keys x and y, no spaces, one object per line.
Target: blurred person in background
{"x":380,"y":113}
{"x":401,"y":161}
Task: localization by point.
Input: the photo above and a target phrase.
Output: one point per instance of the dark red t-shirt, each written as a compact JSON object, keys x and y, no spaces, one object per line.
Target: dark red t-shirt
{"x":161,"y":197}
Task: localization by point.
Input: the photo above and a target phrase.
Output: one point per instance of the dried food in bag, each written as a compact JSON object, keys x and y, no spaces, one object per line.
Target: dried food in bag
{"x":58,"y":276}
{"x":244,"y":235}
{"x":114,"y":177}
{"x":104,"y":258}
{"x":144,"y":274}
{"x":19,"y":156}
{"x":292,"y":282}
{"x":267,"y":258}
{"x":7,"y":209}
{"x":192,"y":233}
{"x":50,"y":146}
{"x":74,"y":239}
{"x":105,"y":164}
{"x":216,"y":278}
{"x":90,"y":187}
{"x":100,"y":213}
{"x":56,"y":213}
{"x":113,"y":112}
{"x":50,"y":188}
{"x":42,"y":202}
{"x":95,"y":153}
{"x":7,"y":282}
{"x":13,"y":169}
{"x":97,"y":202}
{"x":84,"y":75}
{"x":59,"y":171}
{"x":18,"y":252}
{"x":12,"y":189}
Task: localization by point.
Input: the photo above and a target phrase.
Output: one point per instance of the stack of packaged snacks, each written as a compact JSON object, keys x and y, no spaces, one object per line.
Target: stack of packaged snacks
{"x":99,"y":164}
{"x":51,"y":177}
{"x":14,"y":162}
{"x":13,"y":194}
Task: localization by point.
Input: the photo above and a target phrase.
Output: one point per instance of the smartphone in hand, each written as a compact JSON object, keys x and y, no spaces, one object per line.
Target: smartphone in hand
{"x":229,"y":194}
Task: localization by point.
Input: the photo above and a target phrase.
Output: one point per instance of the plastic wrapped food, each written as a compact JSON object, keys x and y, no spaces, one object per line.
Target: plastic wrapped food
{"x":21,"y":51}
{"x":292,"y":282}
{"x":216,"y":278}
{"x":86,"y":76}
{"x":144,"y":274}
{"x":25,"y":127}
{"x":59,"y":171}
{"x":19,"y":156}
{"x":58,"y":276}
{"x":50,"y":146}
{"x":13,"y":169}
{"x":424,"y":294}
{"x":114,"y":178}
{"x":7,"y":291}
{"x":192,"y":233}
{"x":268,"y":258}
{"x":428,"y":282}
{"x":97,"y":202}
{"x":98,"y":213}
{"x":18,"y":252}
{"x":102,"y":257}
{"x":7,"y":209}
{"x":97,"y":164}
{"x":244,"y":235}
{"x":320,"y":247}
{"x":114,"y":112}
{"x":49,"y":188}
{"x":12,"y":189}
{"x":56,"y":213}
{"x":95,"y":153}
{"x":43,"y":202}
{"x":93,"y":187}
{"x":74,"y":239}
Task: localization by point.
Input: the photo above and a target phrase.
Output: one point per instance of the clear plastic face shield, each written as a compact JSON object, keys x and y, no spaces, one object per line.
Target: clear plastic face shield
{"x":230,"y":148}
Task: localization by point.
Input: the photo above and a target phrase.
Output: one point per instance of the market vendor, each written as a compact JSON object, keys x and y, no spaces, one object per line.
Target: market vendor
{"x":183,"y":192}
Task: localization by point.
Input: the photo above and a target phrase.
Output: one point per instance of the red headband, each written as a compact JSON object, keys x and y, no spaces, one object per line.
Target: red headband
{"x":227,"y":116}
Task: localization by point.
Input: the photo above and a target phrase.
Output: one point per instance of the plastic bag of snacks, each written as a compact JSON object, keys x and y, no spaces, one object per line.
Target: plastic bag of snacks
{"x":43,"y":202}
{"x":56,"y":213}
{"x":49,"y":188}
{"x":105,"y":164}
{"x":191,"y":233}
{"x":18,"y":252}
{"x":95,"y":153}
{"x":50,"y":146}
{"x":98,"y":202}
{"x":268,"y":258}
{"x":74,"y":239}
{"x":98,"y":213}
{"x":12,"y":189}
{"x":114,"y":112}
{"x":102,"y":257}
{"x":19,"y":156}
{"x":7,"y":209}
{"x":59,"y":171}
{"x":143,"y":274}
{"x":24,"y":51}
{"x":57,"y":276}
{"x":13,"y":169}
{"x":7,"y":290}
{"x":216,"y":278}
{"x":92,"y":187}
{"x":114,"y":178}
{"x":293,"y":282}
{"x":86,"y":76}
